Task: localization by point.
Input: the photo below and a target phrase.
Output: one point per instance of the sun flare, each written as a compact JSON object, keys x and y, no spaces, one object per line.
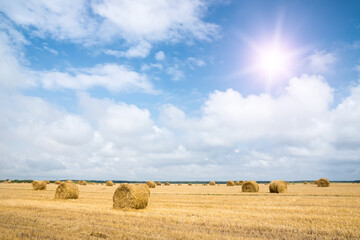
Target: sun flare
{"x":273,"y":61}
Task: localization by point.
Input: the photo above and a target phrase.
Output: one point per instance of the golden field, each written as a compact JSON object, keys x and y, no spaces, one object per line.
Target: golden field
{"x":183,"y":212}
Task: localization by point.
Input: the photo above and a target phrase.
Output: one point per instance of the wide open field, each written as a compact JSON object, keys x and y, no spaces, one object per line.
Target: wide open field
{"x":183,"y":212}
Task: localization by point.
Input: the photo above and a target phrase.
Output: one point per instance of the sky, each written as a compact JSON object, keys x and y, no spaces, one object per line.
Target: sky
{"x":179,"y":90}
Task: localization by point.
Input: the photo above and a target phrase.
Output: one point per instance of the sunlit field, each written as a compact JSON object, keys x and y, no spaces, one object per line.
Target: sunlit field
{"x":183,"y":212}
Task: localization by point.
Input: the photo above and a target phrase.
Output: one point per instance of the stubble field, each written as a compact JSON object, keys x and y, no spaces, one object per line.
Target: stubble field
{"x":183,"y":212}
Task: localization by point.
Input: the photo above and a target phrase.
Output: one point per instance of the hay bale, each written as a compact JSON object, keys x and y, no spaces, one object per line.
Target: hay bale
{"x":305,"y":183}
{"x":83,"y":183}
{"x":57,"y":182}
{"x":189,"y":184}
{"x":315,"y":182}
{"x":277,"y":186}
{"x":131,"y":196}
{"x":167,"y":184}
{"x":69,"y":181}
{"x":250,"y":186}
{"x":158,"y":183}
{"x":230,"y":183}
{"x":212,"y":183}
{"x":179,"y":184}
{"x":38,"y":185}
{"x":151,"y":184}
{"x":67,"y":191}
{"x":109,"y":183}
{"x":47,"y":182}
{"x":7,"y":181}
{"x":237,"y":183}
{"x":323,"y":182}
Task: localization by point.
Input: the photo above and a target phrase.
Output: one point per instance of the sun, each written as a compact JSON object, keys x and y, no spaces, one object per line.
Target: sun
{"x":273,"y":61}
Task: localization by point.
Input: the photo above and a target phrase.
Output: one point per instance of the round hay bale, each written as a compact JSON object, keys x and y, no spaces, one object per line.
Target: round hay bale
{"x":7,"y":181}
{"x":277,"y":186}
{"x":305,"y":183}
{"x":241,"y":182}
{"x":250,"y":186}
{"x":69,"y":181}
{"x":47,"y":182}
{"x":237,"y":183}
{"x":38,"y":185}
{"x":109,"y":183}
{"x":230,"y":183}
{"x":189,"y":184}
{"x":57,"y":182}
{"x":83,"y":183}
{"x":323,"y":182}
{"x":212,"y":183}
{"x":67,"y":191}
{"x":167,"y":184}
{"x":131,"y":196}
{"x":151,"y":184}
{"x":158,"y":183}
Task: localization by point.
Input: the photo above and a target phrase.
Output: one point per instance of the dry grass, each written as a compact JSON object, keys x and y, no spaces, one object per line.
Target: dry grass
{"x":180,"y":212}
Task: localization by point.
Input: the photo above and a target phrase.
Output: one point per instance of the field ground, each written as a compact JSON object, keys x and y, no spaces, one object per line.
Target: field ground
{"x":183,"y":212}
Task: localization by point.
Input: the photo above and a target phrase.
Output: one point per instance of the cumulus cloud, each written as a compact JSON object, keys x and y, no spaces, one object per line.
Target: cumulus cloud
{"x":175,"y":73}
{"x":139,"y":23}
{"x":298,"y":133}
{"x":160,"y":56}
{"x":113,"y":77}
{"x":59,"y":19}
{"x":321,"y":61}
{"x":160,"y":20}
{"x":141,"y":50}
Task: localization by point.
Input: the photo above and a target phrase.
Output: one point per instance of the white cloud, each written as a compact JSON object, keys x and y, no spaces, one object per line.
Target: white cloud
{"x":141,"y":50}
{"x":175,"y":73}
{"x":160,"y":19}
{"x":298,"y":133}
{"x":113,"y":77}
{"x":50,"y":50}
{"x":196,"y":62}
{"x":61,"y":19}
{"x":160,"y":56}
{"x":321,"y":61}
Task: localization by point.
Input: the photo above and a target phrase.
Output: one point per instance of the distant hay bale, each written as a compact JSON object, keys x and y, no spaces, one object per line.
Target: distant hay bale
{"x":237,"y":183}
{"x":69,"y":181}
{"x":323,"y":182}
{"x":315,"y":182}
{"x":179,"y":184}
{"x":67,"y":191}
{"x":305,"y":183}
{"x":130,"y":196}
{"x":277,"y":186}
{"x":57,"y":182}
{"x":47,"y":182}
{"x":38,"y":185}
{"x":212,"y":183}
{"x":230,"y":183}
{"x":151,"y":184}
{"x":250,"y":186}
{"x":109,"y":183}
{"x":7,"y":181}
{"x":158,"y":183}
{"x":167,"y":184}
{"x":190,"y":184}
{"x":83,"y":183}
{"x":204,"y":184}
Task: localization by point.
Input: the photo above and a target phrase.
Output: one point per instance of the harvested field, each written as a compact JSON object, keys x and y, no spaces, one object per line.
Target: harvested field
{"x":182,"y":212}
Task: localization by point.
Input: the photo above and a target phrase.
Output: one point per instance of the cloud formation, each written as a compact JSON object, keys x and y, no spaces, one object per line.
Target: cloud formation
{"x":321,"y":61}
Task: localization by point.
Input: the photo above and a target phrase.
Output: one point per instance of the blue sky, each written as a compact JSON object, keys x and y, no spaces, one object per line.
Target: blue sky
{"x":180,"y":90}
